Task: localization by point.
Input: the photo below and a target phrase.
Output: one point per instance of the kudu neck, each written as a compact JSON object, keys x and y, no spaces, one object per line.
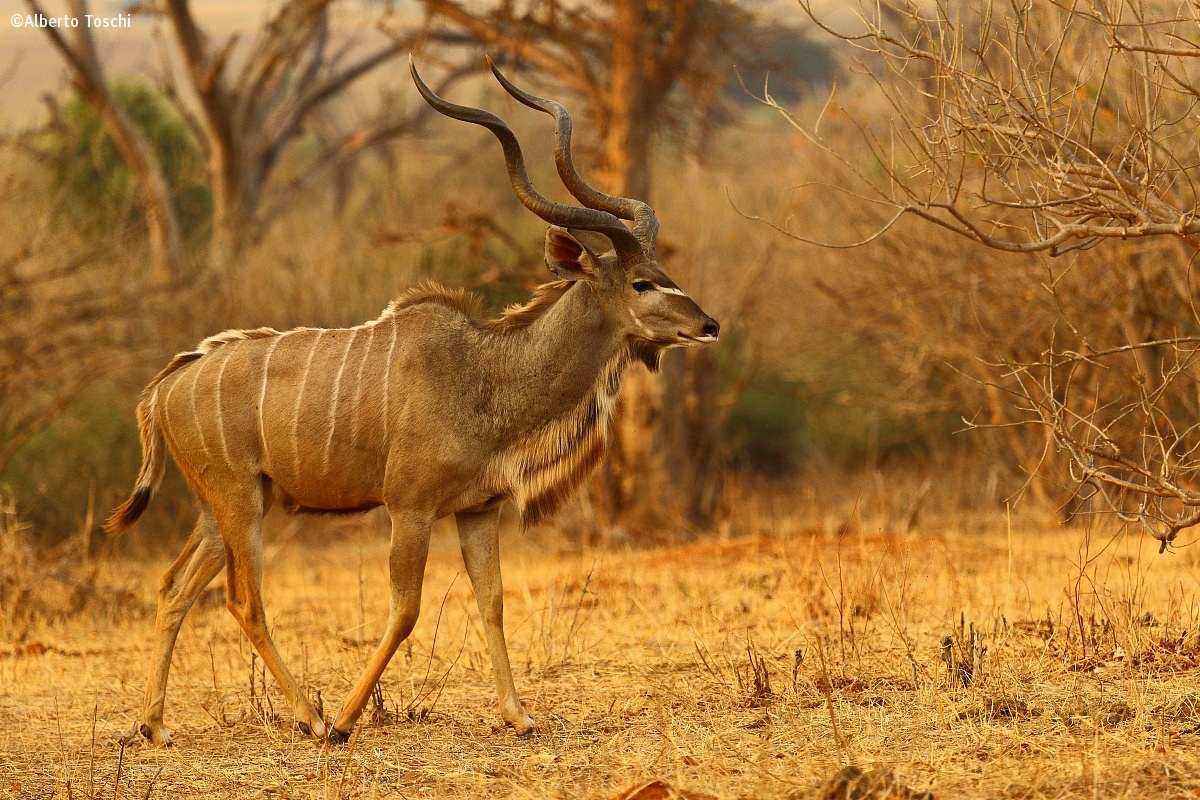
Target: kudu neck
{"x":570,"y":345}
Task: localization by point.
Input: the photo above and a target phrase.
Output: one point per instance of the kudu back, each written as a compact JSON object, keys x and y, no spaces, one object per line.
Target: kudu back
{"x":429,"y":410}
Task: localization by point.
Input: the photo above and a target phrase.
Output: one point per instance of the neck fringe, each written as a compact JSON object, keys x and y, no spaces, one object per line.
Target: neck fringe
{"x":514,"y":317}
{"x":541,"y":472}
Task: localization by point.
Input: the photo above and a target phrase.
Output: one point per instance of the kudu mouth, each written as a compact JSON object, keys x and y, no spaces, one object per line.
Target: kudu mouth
{"x":709,"y":332}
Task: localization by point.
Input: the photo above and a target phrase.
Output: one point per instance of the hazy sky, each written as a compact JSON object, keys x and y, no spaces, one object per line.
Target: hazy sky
{"x":29,"y":66}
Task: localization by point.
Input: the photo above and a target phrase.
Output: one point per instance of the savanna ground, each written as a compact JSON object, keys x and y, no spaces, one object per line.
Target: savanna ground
{"x":754,"y":663}
{"x":749,"y":666}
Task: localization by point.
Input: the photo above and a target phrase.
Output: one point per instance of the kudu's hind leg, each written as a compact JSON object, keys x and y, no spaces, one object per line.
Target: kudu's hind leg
{"x":479,"y":535}
{"x":406,"y":567}
{"x":201,"y":560}
{"x":240,"y":521}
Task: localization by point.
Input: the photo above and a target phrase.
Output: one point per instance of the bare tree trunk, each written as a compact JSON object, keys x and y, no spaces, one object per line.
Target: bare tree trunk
{"x":689,"y":429}
{"x":166,"y":241}
{"x":230,"y":221}
{"x":162,"y":223}
{"x":631,"y":119}
{"x":662,"y":464}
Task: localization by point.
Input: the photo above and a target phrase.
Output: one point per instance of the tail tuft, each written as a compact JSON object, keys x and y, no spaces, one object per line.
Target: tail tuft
{"x":128,"y":512}
{"x":153,"y":455}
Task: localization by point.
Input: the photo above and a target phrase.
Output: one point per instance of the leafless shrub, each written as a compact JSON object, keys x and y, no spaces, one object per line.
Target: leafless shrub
{"x":852,"y":783}
{"x":58,"y":306}
{"x":1046,"y":129}
{"x":755,"y":681}
{"x":1129,"y":434}
{"x":40,"y":585}
{"x":248,"y":111}
{"x":1010,"y":129}
{"x":19,"y":577}
{"x":963,"y":654}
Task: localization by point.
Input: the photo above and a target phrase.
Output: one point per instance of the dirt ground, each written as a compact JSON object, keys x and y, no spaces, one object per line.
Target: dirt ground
{"x":750,"y":668}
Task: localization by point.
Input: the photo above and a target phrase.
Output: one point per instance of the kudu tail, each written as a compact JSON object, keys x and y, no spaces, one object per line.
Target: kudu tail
{"x":154,"y":455}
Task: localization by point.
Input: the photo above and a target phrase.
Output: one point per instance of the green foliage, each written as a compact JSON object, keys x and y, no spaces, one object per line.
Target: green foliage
{"x":769,"y":425}
{"x":779,"y":424}
{"x":93,"y":446}
{"x":87,"y":166}
{"x":90,"y":456}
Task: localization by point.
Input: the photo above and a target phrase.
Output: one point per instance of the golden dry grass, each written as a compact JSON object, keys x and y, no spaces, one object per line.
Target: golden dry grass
{"x":637,"y":664}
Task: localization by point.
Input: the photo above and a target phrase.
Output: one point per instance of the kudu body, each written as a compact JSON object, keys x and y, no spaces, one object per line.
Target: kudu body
{"x":427,"y":410}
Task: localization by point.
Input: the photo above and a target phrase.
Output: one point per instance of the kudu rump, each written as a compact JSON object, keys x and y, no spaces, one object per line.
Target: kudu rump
{"x":427,"y":410}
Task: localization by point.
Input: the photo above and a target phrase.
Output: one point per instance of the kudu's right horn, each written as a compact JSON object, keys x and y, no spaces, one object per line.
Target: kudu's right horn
{"x":629,"y":247}
{"x":645,"y":223}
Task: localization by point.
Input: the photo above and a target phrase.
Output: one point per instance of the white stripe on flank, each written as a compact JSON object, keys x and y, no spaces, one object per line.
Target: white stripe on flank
{"x":296,"y":411}
{"x":356,"y":409}
{"x":166,"y":426}
{"x":337,"y":382}
{"x":262,"y":396}
{"x":672,"y":290}
{"x":153,"y":409}
{"x":201,"y":363}
{"x":167,"y":400}
{"x":387,"y":384}
{"x":217,"y":402}
{"x":171,"y":434}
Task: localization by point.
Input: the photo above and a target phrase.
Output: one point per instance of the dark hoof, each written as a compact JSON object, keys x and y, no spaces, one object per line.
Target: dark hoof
{"x":148,"y":735}
{"x":337,"y":737}
{"x":143,"y":731}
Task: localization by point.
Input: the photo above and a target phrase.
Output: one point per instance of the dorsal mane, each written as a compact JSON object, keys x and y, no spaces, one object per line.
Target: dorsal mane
{"x":522,"y":316}
{"x":514,"y":317}
{"x":235,"y":335}
{"x":205,"y":347}
{"x":429,"y":292}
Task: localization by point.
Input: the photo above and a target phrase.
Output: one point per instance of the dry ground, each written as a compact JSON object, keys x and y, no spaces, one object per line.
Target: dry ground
{"x":643,"y":664}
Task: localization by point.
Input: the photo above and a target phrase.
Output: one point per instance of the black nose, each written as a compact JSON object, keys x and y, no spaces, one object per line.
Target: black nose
{"x":711,"y":328}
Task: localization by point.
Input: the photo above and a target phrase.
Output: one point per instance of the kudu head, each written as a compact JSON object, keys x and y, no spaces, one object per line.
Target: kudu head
{"x":592,"y":244}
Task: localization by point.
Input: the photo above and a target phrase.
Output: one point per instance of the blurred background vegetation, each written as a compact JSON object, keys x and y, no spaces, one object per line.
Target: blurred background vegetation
{"x":843,"y":381}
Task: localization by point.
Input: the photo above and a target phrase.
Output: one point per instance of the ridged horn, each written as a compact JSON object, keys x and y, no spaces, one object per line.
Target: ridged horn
{"x":624,"y":241}
{"x":645,"y":223}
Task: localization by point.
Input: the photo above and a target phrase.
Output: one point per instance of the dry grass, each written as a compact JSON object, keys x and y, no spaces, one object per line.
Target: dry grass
{"x":751,"y":668}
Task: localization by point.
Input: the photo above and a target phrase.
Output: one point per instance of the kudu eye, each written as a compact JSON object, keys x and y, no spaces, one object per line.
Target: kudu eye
{"x":642,"y":286}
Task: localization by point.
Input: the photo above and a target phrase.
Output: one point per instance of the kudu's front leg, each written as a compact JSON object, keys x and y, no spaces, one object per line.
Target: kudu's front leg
{"x":406,"y":565}
{"x":479,"y":535}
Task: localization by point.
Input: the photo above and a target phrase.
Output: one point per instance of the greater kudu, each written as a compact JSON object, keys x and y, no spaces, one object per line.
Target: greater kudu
{"x":428,"y":410}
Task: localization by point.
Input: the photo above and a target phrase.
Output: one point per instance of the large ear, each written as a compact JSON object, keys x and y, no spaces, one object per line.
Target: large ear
{"x":568,"y":257}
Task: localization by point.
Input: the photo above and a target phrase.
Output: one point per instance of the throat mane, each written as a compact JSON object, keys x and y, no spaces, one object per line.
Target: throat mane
{"x":541,"y":472}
